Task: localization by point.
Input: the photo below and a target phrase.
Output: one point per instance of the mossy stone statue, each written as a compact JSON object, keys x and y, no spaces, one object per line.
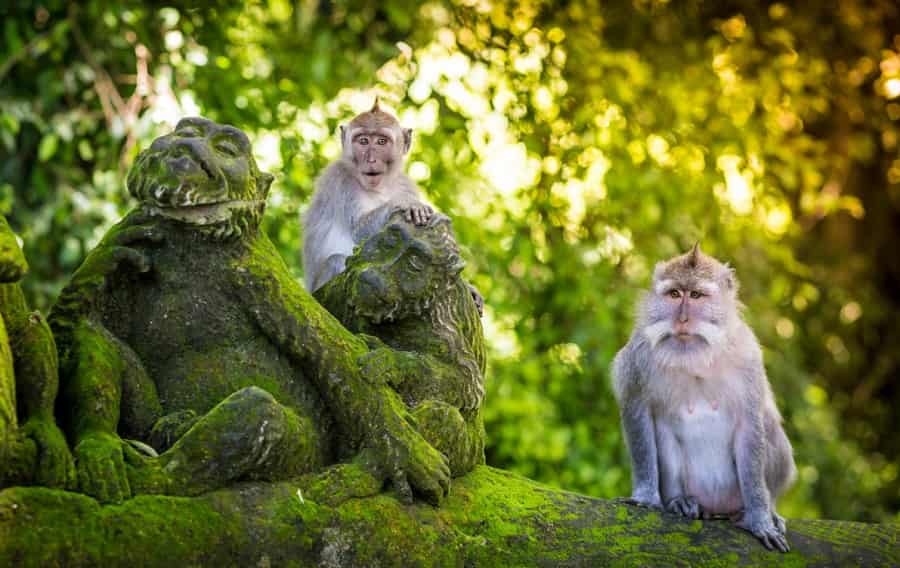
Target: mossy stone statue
{"x":32,"y":448}
{"x":402,"y":290}
{"x":191,"y":358}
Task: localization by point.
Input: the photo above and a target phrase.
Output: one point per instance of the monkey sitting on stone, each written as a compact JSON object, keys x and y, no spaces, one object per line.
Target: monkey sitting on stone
{"x":699,"y":417}
{"x":358,"y":192}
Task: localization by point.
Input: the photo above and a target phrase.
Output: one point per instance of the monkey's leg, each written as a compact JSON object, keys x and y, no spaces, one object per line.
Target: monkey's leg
{"x":332,"y":266}
{"x":780,"y":468}
{"x":671,"y":467}
{"x":249,"y":435}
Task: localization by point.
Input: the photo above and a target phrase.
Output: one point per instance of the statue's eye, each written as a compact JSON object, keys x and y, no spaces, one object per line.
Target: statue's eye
{"x":674,"y":294}
{"x":227,"y":148}
{"x":188,"y":131}
{"x":415,"y":262}
{"x":696,"y":295}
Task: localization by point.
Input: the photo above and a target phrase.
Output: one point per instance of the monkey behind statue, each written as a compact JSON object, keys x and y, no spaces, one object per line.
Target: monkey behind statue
{"x":356,"y":194}
{"x":700,"y":420}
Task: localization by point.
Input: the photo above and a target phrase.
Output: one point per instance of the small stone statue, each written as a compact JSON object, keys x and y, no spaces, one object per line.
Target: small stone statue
{"x":191,"y":358}
{"x":33,"y":450}
{"x":402,"y":289}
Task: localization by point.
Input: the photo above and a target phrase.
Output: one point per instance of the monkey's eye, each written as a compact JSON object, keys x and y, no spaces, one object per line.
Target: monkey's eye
{"x":363,"y":140}
{"x":382,"y":141}
{"x":674,"y":294}
{"x":695,"y":295}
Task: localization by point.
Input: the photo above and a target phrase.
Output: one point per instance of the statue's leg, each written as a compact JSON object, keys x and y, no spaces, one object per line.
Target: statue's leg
{"x":249,"y":435}
{"x":18,"y":454}
{"x":443,"y":427}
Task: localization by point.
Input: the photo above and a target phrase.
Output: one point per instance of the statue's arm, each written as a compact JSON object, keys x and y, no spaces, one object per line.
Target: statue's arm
{"x":37,"y":382}
{"x":371,"y":415}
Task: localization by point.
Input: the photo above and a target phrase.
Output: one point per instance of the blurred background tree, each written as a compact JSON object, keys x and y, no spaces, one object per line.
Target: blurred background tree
{"x":574,"y":144}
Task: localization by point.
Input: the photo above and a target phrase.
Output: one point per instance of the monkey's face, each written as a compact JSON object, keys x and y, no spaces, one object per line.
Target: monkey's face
{"x":403,"y":270}
{"x":200,"y":174}
{"x":690,"y":308}
{"x":375,"y":153}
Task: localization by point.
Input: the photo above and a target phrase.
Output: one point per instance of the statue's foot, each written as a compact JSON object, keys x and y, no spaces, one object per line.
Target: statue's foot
{"x":341,"y":482}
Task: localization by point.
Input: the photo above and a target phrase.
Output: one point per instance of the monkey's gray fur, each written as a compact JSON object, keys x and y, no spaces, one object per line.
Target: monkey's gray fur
{"x":699,"y":417}
{"x":358,"y":192}
{"x":342,"y":214}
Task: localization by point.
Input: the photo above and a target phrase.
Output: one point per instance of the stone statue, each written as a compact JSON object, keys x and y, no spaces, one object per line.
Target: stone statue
{"x":402,"y":289}
{"x":33,"y":450}
{"x":191,"y":358}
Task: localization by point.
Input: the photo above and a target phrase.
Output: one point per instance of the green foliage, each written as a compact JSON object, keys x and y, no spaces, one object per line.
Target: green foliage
{"x":574,"y":144}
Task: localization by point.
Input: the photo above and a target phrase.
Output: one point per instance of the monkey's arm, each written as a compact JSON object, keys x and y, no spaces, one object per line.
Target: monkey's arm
{"x":750,"y":451}
{"x":637,"y":423}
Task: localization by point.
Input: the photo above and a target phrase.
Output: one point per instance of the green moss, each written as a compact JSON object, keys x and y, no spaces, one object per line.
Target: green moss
{"x":491,"y":518}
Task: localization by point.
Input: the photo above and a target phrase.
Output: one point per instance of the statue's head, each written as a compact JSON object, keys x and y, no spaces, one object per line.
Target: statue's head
{"x":202,"y":174}
{"x":405,"y":270}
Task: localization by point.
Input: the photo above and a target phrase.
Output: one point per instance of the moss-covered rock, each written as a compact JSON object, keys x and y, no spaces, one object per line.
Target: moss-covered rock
{"x":491,"y":518}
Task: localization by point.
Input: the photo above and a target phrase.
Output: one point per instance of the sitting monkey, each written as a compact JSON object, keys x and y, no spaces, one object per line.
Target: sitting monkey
{"x":699,"y":417}
{"x":402,"y":289}
{"x":33,"y":450}
{"x":357,"y":192}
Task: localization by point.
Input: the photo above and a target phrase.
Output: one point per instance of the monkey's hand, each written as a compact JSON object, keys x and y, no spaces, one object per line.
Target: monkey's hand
{"x":101,"y":467}
{"x":55,"y":466}
{"x":685,"y":506}
{"x":763,"y":526}
{"x":417,"y":213}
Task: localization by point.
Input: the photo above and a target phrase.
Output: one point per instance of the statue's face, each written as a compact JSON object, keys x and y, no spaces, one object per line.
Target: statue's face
{"x":404,"y":269}
{"x":198,"y":174}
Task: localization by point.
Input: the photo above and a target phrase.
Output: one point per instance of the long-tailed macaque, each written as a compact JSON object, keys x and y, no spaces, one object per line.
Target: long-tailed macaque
{"x":356,"y":194}
{"x":699,"y":417}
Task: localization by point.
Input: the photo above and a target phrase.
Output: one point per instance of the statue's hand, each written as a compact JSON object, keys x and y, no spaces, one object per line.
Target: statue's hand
{"x":12,"y":262}
{"x":118,"y":250}
{"x":380,"y":365}
{"x":411,"y":462}
{"x":170,"y":428}
{"x":101,"y":467}
{"x":55,"y":466}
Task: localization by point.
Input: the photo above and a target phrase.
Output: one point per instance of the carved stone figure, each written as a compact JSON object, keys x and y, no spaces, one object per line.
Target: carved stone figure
{"x":191,"y":358}
{"x":33,"y":450}
{"x":402,"y":289}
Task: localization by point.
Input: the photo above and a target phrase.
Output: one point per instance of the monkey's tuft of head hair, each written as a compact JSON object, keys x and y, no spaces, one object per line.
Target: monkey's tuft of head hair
{"x":375,"y":118}
{"x":694,"y":267}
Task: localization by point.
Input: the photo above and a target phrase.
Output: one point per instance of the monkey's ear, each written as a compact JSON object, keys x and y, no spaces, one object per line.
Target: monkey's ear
{"x":730,"y":279}
{"x":407,"y":139}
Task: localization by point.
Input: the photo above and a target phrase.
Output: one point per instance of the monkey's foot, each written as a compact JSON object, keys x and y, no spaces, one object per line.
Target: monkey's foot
{"x":642,"y":500}
{"x":779,"y":523}
{"x":767,"y":529}
{"x":684,"y":505}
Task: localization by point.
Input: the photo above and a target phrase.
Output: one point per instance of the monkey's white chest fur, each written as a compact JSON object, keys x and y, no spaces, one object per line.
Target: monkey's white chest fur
{"x":698,"y":457}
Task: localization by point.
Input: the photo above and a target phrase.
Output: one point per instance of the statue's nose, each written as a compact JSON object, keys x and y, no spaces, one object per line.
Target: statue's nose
{"x":372,"y":283}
